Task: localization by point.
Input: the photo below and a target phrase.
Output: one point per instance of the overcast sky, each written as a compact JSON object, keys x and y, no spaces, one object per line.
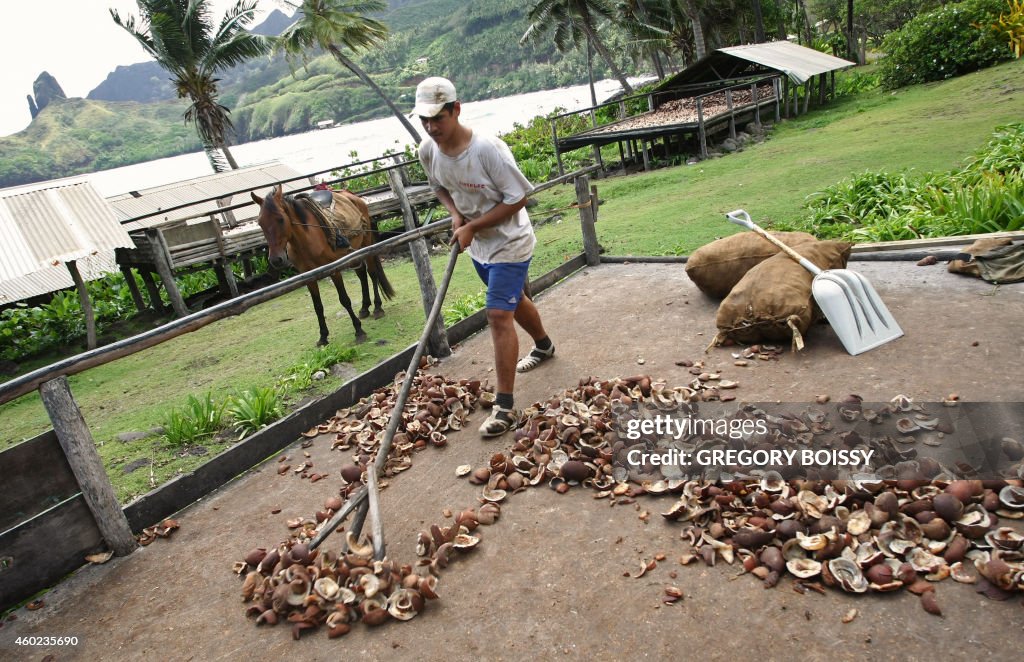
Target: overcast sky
{"x":75,"y":40}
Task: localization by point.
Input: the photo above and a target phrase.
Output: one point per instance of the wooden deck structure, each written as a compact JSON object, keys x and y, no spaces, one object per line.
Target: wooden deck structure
{"x":202,"y":235}
{"x":675,"y":115}
{"x":727,"y":87}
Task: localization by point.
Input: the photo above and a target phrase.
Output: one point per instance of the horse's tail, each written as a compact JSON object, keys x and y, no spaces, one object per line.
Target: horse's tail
{"x":376,"y":267}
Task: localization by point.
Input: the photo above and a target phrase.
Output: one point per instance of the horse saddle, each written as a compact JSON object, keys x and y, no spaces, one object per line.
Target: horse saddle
{"x":324,"y":198}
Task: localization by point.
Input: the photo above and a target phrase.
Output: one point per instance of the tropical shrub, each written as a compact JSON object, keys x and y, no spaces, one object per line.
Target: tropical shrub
{"x":985,"y":195}
{"x":314,"y":360}
{"x":198,"y":418}
{"x":254,"y":409}
{"x":943,"y":43}
{"x":1010,"y":26}
{"x":463,"y":306}
{"x":535,"y":154}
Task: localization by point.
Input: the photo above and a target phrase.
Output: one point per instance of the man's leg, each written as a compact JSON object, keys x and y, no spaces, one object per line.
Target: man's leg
{"x":506,"y":348}
{"x":528,"y":317}
{"x":504,"y":293}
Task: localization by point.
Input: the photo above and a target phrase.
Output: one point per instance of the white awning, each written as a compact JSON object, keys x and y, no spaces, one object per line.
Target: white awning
{"x":797,"y":62}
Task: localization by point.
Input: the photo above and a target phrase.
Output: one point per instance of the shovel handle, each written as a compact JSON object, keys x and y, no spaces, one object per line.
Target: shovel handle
{"x":740,"y":217}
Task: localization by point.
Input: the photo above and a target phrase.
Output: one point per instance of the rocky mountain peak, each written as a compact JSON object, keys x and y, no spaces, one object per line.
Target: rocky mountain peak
{"x":46,"y":89}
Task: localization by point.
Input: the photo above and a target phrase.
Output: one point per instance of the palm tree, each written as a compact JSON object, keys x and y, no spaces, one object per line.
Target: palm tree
{"x":692,"y":13}
{"x":183,"y":39}
{"x":336,"y":24}
{"x":758,"y":22}
{"x":641,"y":23}
{"x":571,"y":20}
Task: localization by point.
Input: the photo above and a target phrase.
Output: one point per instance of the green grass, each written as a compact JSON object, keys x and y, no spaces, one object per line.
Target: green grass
{"x":930,"y":127}
{"x":670,"y":211}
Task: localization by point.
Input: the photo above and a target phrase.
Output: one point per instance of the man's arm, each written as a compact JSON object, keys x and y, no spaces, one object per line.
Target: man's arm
{"x":446,"y":199}
{"x":465,"y":232}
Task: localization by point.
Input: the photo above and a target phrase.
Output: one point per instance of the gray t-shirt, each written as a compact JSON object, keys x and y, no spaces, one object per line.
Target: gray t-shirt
{"x":483,"y":175}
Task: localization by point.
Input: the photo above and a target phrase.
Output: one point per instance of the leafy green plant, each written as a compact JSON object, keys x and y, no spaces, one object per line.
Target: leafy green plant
{"x":463,"y":306}
{"x":255,"y":408}
{"x":1011,"y":27}
{"x":300,"y":375}
{"x":535,"y":153}
{"x":986,"y":195}
{"x":369,"y":175}
{"x":943,"y":43}
{"x":852,"y":82}
{"x":198,"y":418}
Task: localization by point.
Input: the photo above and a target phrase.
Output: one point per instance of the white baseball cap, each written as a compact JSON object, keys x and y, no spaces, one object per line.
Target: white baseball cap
{"x":431,"y":96}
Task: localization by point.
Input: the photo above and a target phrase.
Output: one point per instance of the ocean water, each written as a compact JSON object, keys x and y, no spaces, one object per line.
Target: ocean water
{"x":328,"y":148}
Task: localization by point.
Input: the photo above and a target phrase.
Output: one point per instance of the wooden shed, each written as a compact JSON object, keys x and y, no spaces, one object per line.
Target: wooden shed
{"x":726,"y":88}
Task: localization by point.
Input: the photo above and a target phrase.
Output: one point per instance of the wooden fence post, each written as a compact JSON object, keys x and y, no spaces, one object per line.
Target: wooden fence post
{"x":558,"y":153}
{"x":775,"y":89}
{"x":583,"y":200}
{"x":732,"y":113}
{"x":162,"y":259}
{"x":757,"y":105}
{"x":80,"y":450}
{"x":421,"y":260}
{"x":83,"y":298}
{"x":152,"y":290}
{"x":133,"y":287}
{"x":701,"y":132}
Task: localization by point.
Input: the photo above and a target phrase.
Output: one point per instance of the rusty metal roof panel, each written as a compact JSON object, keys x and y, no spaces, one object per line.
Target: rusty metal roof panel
{"x":43,"y":225}
{"x":147,"y":201}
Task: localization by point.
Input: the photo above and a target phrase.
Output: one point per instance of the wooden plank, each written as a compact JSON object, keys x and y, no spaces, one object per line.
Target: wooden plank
{"x":934,"y":242}
{"x":644,"y":259}
{"x":80,"y":451}
{"x":542,"y":283}
{"x":38,"y":553}
{"x":36,"y":477}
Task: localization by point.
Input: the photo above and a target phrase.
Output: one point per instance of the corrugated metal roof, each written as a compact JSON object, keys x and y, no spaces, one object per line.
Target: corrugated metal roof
{"x":54,"y":278}
{"x":739,"y":62}
{"x":45,"y":225}
{"x":797,"y":62}
{"x":147,"y":201}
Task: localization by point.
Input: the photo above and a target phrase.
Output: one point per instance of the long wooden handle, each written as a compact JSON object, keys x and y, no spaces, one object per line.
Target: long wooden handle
{"x":740,"y":217}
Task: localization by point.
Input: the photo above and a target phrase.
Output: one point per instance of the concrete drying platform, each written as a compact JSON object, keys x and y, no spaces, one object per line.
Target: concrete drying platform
{"x":547,"y":580}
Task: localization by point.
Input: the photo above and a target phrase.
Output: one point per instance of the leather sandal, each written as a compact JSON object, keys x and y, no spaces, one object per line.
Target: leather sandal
{"x":534,"y":358}
{"x":499,"y":422}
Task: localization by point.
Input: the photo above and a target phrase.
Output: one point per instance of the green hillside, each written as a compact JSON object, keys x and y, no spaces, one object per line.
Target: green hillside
{"x":75,"y":136}
{"x":475,"y":44}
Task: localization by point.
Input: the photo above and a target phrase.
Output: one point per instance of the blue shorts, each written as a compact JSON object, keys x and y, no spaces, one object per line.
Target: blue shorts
{"x":505,"y":282}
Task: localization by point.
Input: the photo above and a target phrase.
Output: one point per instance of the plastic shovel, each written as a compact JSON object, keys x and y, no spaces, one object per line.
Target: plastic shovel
{"x":850,"y":304}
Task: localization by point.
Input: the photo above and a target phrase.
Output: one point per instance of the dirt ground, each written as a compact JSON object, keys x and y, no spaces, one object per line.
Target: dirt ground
{"x":547,"y":581}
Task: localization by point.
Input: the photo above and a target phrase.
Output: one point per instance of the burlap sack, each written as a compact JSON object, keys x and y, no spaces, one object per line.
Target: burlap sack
{"x":773,"y":301}
{"x":964,"y":262}
{"x":716,"y":267}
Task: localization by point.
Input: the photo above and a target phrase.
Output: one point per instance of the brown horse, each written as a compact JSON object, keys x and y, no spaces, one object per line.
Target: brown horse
{"x":299,"y":230}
